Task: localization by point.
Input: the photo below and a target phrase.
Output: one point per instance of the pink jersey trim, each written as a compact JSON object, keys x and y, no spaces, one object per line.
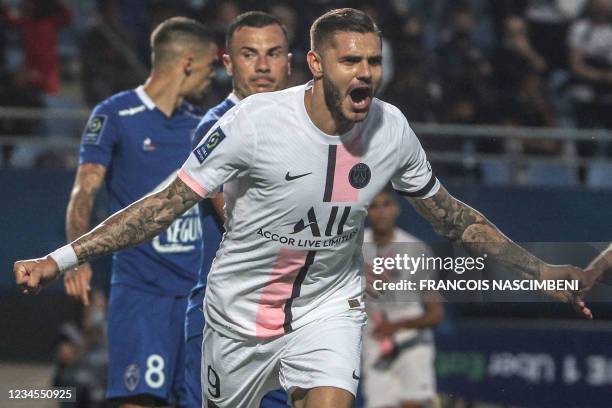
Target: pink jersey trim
{"x":192,"y":184}
{"x":345,"y":160}
{"x":270,"y":312}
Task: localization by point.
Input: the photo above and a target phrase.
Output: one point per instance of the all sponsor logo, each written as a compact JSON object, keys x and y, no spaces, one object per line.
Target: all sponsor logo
{"x":312,"y":222}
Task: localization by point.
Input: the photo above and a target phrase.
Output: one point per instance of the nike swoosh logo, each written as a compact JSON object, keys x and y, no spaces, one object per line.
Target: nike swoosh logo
{"x":291,"y":178}
{"x":355,"y":376}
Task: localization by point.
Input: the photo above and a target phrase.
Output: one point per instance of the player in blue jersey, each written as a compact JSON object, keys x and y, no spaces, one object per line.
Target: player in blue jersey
{"x":258,"y":60}
{"x":136,"y":141}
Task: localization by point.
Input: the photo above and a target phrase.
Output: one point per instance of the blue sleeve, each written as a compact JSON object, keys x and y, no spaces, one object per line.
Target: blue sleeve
{"x":203,"y":127}
{"x":100,"y":136}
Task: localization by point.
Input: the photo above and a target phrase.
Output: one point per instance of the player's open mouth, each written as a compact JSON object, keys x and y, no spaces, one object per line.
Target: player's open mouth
{"x":360,"y":97}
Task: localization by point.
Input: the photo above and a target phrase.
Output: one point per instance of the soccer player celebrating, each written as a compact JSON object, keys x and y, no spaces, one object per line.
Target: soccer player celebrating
{"x":258,"y":60}
{"x":299,"y":168}
{"x":137,"y":140}
{"x":398,"y":347}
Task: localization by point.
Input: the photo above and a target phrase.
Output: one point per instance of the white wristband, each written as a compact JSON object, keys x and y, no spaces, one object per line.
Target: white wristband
{"x":65,"y":258}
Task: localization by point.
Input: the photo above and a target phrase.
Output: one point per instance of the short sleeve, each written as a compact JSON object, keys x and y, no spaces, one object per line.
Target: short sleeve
{"x":100,"y":136}
{"x":203,"y":127}
{"x":226,"y":152}
{"x":414,"y":177}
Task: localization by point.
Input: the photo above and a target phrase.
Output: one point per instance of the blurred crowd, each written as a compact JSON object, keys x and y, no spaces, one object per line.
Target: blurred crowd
{"x":509,"y":62}
{"x":81,"y":356}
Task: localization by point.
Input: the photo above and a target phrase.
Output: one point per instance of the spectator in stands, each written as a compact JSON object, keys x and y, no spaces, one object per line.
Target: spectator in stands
{"x":18,"y":89}
{"x":414,"y":89}
{"x":109,"y":62}
{"x":67,"y":354}
{"x":225,"y":12}
{"x":548,"y":23}
{"x":590,"y":47}
{"x":40,"y":22}
{"x":377,"y":12}
{"x":466,"y":74}
{"x":82,"y":356}
{"x":3,"y":42}
{"x":161,"y":10}
{"x":519,"y":76}
{"x":93,"y":364}
{"x":297,"y":33}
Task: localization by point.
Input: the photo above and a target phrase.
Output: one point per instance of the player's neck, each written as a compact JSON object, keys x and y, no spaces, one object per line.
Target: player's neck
{"x":164,"y":92}
{"x":237,"y":94}
{"x":382,"y":238}
{"x":321,"y":115}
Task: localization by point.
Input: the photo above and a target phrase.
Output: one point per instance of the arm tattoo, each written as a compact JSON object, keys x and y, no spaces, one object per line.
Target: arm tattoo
{"x":89,"y":179}
{"x":603,"y":264}
{"x":139,"y":222}
{"x":467,"y":227}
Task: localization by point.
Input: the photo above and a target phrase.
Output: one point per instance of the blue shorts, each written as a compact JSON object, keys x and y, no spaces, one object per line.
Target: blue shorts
{"x":194,"y":327}
{"x":146,"y":345}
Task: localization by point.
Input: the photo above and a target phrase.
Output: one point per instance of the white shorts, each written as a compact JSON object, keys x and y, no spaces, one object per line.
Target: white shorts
{"x":409,"y":378}
{"x":238,"y":373}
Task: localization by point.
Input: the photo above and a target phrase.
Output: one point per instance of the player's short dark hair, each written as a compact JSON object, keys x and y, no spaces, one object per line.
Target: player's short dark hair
{"x":177,"y":30}
{"x":254,"y":19}
{"x":346,"y":20}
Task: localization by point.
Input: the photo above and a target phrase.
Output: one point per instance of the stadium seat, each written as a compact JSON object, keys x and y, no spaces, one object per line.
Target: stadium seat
{"x":496,"y":172}
{"x":550,"y":175}
{"x":599,"y":176}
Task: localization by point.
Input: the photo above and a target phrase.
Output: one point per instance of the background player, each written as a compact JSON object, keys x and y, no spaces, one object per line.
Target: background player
{"x":398,"y":346}
{"x":257,"y":60}
{"x":273,"y":313}
{"x":137,"y":140}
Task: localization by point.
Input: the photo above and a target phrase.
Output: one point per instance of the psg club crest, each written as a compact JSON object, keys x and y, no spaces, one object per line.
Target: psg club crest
{"x":360,"y":175}
{"x":131,"y":377}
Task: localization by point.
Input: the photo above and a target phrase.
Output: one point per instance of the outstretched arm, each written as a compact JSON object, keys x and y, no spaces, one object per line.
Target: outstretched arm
{"x":137,"y":223}
{"x":467,"y":227}
{"x":600,"y":268}
{"x":470,"y":229}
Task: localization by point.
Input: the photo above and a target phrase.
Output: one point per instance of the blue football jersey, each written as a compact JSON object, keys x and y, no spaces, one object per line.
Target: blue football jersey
{"x":212,"y":225}
{"x":142,"y":149}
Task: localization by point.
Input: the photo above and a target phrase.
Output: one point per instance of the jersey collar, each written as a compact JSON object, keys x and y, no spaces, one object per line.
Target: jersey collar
{"x":232,"y":97}
{"x":148,"y":102}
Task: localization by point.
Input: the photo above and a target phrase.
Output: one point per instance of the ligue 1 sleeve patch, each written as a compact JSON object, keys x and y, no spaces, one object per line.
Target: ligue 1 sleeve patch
{"x":212,"y":141}
{"x":94,"y":129}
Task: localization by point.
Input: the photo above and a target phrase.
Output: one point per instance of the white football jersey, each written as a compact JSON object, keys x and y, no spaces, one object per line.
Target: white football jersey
{"x":404,"y":304}
{"x":295,"y":203}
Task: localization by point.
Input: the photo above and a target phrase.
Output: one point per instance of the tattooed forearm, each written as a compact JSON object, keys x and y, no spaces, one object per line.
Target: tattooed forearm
{"x":89,"y":179}
{"x":467,"y":227}
{"x":137,"y":223}
{"x":602,"y":264}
